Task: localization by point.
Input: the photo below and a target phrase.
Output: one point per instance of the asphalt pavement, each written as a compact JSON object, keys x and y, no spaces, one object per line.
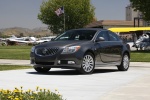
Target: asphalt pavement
{"x":106,"y":83}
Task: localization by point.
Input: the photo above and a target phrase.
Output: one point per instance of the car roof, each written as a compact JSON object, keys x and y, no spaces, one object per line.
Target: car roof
{"x":97,"y":29}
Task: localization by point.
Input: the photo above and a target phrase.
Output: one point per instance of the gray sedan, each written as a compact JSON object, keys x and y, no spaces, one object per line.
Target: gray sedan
{"x":82,"y":49}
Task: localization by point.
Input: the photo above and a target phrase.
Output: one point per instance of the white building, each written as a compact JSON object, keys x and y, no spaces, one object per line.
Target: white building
{"x":131,"y":14}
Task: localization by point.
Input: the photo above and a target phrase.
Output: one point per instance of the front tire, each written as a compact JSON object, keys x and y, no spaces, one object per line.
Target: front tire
{"x":88,"y":64}
{"x":41,"y":69}
{"x":124,"y":66}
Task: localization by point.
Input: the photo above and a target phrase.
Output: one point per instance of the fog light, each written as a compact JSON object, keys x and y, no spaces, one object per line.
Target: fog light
{"x":58,"y":61}
{"x":71,"y":62}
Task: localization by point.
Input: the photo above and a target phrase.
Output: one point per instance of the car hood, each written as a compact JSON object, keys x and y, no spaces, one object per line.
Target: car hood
{"x":62,"y":43}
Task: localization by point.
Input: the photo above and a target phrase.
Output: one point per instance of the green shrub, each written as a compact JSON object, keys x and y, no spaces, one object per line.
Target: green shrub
{"x":11,"y":42}
{"x":3,"y":43}
{"x":30,"y":44}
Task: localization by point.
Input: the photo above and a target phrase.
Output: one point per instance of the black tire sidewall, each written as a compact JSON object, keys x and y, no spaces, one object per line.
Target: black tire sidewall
{"x":121,"y":66}
{"x":41,"y":70}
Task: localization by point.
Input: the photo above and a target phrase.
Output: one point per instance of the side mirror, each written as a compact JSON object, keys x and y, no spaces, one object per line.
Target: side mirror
{"x":100,"y":39}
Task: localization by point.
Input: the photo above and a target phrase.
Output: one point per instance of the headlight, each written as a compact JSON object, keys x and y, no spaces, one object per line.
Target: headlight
{"x":71,"y":49}
{"x":32,"y":49}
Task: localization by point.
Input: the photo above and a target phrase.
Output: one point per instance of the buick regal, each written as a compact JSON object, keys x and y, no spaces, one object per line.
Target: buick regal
{"x":82,"y":49}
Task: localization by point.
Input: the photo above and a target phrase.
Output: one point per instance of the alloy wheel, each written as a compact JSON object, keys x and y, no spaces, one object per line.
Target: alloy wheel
{"x":88,"y":63}
{"x":126,"y":62}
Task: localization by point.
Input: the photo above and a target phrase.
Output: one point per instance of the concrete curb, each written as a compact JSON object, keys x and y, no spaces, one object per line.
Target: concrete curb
{"x":14,"y":62}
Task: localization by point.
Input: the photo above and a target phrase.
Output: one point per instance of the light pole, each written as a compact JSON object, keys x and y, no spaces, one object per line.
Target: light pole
{"x":138,"y":19}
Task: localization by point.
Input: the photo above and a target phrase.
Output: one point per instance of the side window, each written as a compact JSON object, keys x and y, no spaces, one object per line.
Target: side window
{"x":113,"y":36}
{"x":103,"y":34}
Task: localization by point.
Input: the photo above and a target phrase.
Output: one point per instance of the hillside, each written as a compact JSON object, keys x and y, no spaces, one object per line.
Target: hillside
{"x":19,"y":31}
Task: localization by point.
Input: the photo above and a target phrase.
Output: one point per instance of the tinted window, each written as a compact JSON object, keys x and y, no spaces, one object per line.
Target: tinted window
{"x":77,"y":35}
{"x":103,"y":34}
{"x":113,"y":37}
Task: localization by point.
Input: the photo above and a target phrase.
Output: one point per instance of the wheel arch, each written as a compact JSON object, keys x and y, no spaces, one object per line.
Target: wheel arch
{"x":90,"y":51}
{"x":127,"y":52}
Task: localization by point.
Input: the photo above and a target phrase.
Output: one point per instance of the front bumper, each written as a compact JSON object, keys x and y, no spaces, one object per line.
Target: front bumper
{"x":59,"y":60}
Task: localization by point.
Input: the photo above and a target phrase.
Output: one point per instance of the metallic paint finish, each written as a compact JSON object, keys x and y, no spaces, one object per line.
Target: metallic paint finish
{"x":105,"y":52}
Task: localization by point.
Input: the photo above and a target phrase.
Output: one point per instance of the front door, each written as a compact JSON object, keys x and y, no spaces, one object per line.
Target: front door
{"x":103,"y":47}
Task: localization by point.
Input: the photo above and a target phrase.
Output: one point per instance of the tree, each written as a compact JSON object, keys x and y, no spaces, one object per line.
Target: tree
{"x":78,"y":13}
{"x":21,"y":35}
{"x":143,"y":6}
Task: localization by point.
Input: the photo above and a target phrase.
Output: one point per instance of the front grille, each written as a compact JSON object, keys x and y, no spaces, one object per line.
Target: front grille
{"x":46,"y":51}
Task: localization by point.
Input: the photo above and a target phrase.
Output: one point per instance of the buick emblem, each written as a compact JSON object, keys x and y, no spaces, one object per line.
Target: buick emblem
{"x":44,"y":51}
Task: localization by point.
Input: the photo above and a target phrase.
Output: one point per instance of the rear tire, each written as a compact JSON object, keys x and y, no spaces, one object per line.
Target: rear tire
{"x":124,"y":66}
{"x":41,"y":69}
{"x":88,"y":64}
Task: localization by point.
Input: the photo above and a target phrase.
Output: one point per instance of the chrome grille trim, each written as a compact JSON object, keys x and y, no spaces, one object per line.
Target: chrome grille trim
{"x":46,"y":51}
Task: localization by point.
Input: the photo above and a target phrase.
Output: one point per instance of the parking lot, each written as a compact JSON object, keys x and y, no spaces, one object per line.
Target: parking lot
{"x":106,"y":83}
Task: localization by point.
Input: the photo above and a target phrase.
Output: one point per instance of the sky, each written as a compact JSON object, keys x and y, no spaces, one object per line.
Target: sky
{"x":23,"y":13}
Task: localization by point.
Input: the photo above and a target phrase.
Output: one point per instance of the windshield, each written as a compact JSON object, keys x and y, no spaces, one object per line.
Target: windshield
{"x":76,"y":35}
